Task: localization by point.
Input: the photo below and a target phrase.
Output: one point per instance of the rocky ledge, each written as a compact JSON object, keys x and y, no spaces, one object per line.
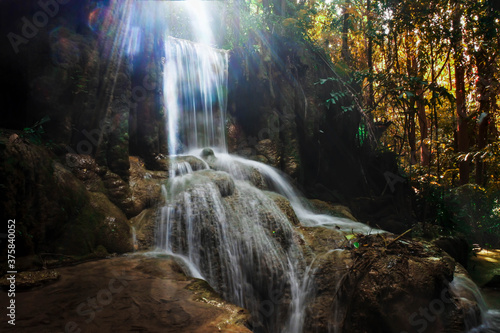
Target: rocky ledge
{"x":136,"y":293}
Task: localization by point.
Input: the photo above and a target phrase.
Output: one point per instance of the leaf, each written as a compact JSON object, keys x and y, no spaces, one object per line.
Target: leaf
{"x":356,"y":245}
{"x":349,"y":237}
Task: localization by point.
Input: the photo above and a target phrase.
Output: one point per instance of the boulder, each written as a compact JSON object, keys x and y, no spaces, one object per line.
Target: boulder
{"x":268,"y":149}
{"x":221,"y":179}
{"x":457,"y":247}
{"x":323,"y":207}
{"x":380,"y":285}
{"x":285,"y":206}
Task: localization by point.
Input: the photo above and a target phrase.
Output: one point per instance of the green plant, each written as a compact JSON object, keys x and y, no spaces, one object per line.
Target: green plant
{"x":34,"y":133}
{"x":81,"y":83}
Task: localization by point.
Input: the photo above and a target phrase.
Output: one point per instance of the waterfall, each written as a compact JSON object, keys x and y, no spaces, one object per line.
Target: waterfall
{"x":218,"y":223}
{"x":484,"y":321}
{"x":241,"y":168}
{"x":220,"y":226}
{"x":219,"y":218}
{"x":242,"y":244}
{"x":195,"y":87}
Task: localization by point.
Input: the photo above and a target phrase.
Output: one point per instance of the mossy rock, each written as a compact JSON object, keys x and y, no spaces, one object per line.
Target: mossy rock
{"x":285,"y":206}
{"x":113,"y":229}
{"x":324,"y":207}
{"x":145,"y":226}
{"x":222,"y":180}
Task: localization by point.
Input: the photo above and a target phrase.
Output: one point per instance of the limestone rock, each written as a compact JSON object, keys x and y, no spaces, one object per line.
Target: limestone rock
{"x":164,"y":163}
{"x":378,"y":286}
{"x":268,"y":149}
{"x":132,"y":293}
{"x":285,"y":206}
{"x":323,"y":207}
{"x":113,"y":231}
{"x":54,"y":211}
{"x":145,"y":185}
{"x":222,"y":180}
{"x":145,"y":227}
{"x":85,"y":168}
{"x":31,"y":279}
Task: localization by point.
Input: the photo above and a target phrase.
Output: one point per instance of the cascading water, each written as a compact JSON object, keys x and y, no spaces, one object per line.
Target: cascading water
{"x":195,"y":81}
{"x":218,"y":223}
{"x":484,"y":321}
{"x":224,"y":229}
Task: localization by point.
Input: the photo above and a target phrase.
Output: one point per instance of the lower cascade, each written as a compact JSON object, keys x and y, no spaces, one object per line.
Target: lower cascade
{"x":240,"y":242}
{"x":229,"y":231}
{"x":482,"y":321}
{"x":220,"y":217}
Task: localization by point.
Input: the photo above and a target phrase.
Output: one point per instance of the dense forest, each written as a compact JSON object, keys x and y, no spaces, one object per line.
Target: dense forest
{"x":424,"y":75}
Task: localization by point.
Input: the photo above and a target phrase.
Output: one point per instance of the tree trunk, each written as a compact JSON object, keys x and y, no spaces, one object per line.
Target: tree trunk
{"x":411,"y":71}
{"x":483,"y":111}
{"x":412,"y":135}
{"x":462,"y":119}
{"x":425,"y":152}
{"x":482,"y":139}
{"x":369,"y":57}
{"x":345,"y":31}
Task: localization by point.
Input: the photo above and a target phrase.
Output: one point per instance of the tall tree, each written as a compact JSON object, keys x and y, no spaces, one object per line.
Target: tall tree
{"x":346,"y":55}
{"x":462,"y":136}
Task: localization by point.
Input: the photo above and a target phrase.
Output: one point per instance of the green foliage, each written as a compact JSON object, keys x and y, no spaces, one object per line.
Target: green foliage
{"x":35,"y":132}
{"x":342,"y":96}
{"x":468,"y":209}
{"x":80,"y":82}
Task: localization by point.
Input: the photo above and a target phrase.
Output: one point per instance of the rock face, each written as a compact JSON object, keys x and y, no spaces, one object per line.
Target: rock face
{"x":278,"y":115}
{"x":123,"y":294}
{"x":77,"y":79}
{"x":145,"y":228}
{"x":54,"y":211}
{"x":384,"y":285}
{"x":330,"y":209}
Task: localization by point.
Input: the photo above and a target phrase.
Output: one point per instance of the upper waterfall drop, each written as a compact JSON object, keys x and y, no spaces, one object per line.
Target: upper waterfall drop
{"x":195,"y":94}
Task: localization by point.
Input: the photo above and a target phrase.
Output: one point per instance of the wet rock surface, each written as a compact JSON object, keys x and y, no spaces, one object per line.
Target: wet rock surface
{"x":285,"y":206}
{"x":380,"y":284}
{"x":222,"y":180}
{"x":125,"y":294}
{"x":323,"y":207}
{"x":145,"y":228}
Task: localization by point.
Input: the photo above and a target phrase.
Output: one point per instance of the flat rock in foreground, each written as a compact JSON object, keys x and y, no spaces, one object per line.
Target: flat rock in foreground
{"x":124,"y":294}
